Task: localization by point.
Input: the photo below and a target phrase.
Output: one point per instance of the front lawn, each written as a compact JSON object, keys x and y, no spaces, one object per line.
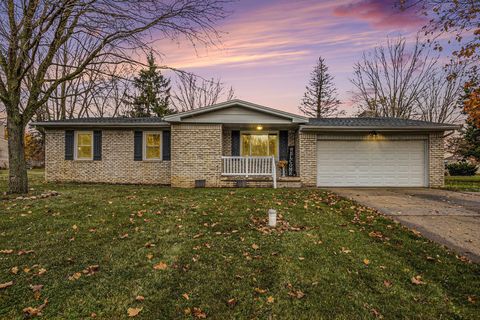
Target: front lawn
{"x":99,"y":250}
{"x":463,"y":183}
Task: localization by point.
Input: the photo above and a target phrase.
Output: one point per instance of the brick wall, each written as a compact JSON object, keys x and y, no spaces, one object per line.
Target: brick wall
{"x":436,"y":167}
{"x":227,"y":142}
{"x":116,"y":166}
{"x":196,"y":154}
{"x":307,"y":158}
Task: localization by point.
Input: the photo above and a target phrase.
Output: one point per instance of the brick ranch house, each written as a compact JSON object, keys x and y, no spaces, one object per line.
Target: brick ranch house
{"x":238,"y":143}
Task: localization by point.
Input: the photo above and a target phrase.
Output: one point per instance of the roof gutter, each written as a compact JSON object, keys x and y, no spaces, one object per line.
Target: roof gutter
{"x":99,"y":125}
{"x":378,"y":128}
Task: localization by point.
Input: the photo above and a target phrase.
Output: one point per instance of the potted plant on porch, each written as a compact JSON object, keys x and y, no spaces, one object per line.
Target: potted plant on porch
{"x":282,"y":164}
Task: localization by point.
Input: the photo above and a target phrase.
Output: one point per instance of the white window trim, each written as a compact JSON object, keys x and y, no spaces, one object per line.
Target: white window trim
{"x":75,"y":145}
{"x":144,"y":145}
{"x":261,"y":133}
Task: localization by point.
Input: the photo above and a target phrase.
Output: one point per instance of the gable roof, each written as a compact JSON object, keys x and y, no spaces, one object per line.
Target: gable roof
{"x":293,"y":118}
{"x":376,"y":123}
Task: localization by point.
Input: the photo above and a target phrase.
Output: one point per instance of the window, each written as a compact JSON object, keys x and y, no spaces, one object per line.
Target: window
{"x":259,"y":144}
{"x":84,"y":145}
{"x":152,"y":145}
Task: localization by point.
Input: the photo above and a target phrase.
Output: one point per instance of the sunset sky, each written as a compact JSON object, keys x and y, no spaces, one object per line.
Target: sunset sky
{"x":269,"y":47}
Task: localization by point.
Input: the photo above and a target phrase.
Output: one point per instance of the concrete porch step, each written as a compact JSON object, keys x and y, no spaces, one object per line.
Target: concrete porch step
{"x":261,"y":182}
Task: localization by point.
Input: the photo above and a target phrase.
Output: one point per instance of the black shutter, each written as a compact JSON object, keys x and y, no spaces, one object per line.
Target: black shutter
{"x":69,"y":142}
{"x":283,"y":144}
{"x":138,"y":146}
{"x":97,"y":145}
{"x":235,"y":143}
{"x":166,"y":145}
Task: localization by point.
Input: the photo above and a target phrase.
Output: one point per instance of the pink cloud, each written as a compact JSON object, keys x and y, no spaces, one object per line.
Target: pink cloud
{"x":381,"y":14}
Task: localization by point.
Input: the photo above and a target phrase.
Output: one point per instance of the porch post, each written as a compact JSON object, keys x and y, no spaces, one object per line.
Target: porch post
{"x":274,"y":173}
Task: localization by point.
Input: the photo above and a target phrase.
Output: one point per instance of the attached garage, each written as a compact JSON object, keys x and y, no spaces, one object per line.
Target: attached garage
{"x":372,"y":163}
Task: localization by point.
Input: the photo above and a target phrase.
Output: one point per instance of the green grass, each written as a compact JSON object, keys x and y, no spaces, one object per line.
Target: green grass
{"x":459,"y":183}
{"x":205,"y":238}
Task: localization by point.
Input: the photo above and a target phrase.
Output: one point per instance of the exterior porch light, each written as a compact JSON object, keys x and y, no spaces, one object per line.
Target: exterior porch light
{"x":259,"y":128}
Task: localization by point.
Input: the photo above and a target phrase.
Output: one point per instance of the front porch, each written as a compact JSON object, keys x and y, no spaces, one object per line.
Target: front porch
{"x":259,"y":156}
{"x":257,"y":172}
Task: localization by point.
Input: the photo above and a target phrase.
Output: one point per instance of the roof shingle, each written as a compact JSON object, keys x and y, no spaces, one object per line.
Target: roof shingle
{"x":378,"y":122}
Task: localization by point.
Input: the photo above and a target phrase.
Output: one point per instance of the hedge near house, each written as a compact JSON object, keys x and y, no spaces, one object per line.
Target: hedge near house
{"x":462,"y":169}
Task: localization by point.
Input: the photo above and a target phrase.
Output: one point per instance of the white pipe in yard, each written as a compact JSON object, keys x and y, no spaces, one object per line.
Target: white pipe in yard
{"x":272,"y":218}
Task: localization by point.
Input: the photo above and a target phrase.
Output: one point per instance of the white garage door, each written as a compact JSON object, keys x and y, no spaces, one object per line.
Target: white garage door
{"x":395,"y":163}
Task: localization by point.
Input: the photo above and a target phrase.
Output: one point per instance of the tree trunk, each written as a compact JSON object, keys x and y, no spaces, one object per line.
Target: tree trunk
{"x":18,"y":181}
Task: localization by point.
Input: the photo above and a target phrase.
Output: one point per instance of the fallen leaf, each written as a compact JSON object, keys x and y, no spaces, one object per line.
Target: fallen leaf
{"x":139,"y":298}
{"x":74,"y":227}
{"x":255,"y":246}
{"x":36,"y":287}
{"x":185,"y":296}
{"x":387,"y":283}
{"x":6,"y":251}
{"x":6,"y":284}
{"x":366,"y":262}
{"x":93,"y":315}
{"x":33,"y":312}
{"x":270,"y":299}
{"x":36,"y":290}
{"x":376,"y":313}
{"x":160,"y":266}
{"x":149,"y":256}
{"x":22,"y":252}
{"x":471,"y":299}
{"x":296,"y":294}
{"x":133,"y":312}
{"x":14,"y":270}
{"x":261,"y":291}
{"x":198,"y":313}
{"x":345,"y":250}
{"x":417,"y":280}
{"x":124,"y":236}
{"x":231,"y":302}
{"x":41,"y":271}
{"x":90,"y":270}
{"x":75,"y":276}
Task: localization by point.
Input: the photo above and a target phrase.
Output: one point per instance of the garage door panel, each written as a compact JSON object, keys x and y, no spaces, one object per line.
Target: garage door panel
{"x":371,"y":163}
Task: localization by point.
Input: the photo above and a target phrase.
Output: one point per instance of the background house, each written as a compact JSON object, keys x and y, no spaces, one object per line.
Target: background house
{"x":3,"y":148}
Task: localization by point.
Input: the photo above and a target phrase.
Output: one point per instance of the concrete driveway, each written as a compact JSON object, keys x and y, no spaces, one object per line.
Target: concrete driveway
{"x":447,"y":217}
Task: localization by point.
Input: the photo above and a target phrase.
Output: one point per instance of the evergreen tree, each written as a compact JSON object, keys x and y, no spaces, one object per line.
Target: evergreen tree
{"x":320,"y":99}
{"x":153,"y":92}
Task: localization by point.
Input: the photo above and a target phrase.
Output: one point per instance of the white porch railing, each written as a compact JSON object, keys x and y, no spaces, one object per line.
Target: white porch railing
{"x":250,"y":166}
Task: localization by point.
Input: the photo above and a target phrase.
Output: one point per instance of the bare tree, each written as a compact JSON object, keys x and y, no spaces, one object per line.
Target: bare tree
{"x":36,"y":34}
{"x":320,"y":99}
{"x":438,"y":102}
{"x":192,"y":92}
{"x":100,"y":91}
{"x":459,"y":18}
{"x":389,"y":82}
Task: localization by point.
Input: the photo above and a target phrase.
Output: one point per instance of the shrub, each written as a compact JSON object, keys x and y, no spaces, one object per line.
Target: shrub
{"x":462,"y":169}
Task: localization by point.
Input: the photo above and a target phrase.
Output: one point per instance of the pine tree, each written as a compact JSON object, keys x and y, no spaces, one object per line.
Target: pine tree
{"x":153,"y":92}
{"x":320,"y":99}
